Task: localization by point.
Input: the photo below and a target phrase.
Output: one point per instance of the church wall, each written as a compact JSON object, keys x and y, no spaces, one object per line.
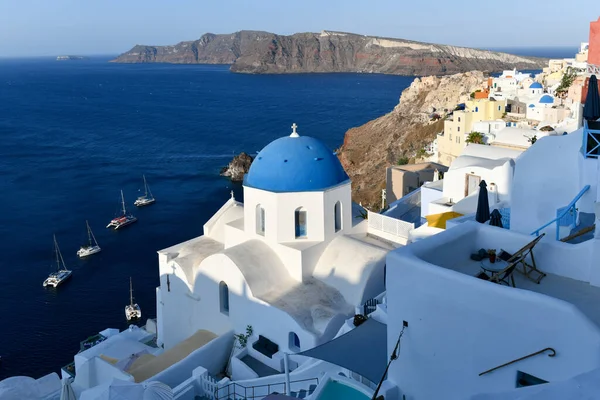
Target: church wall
{"x":175,"y":305}
{"x":341,"y":193}
{"x":288,"y":203}
{"x":244,"y":308}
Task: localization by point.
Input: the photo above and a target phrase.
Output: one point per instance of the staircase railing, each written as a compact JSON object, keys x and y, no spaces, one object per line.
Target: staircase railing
{"x":235,"y":391}
{"x":568,"y":209}
{"x":550,"y":349}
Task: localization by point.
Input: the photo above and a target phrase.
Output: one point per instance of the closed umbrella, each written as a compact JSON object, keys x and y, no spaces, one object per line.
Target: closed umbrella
{"x":67,"y":392}
{"x":483,"y":204}
{"x":496,"y":219}
{"x":591,"y":111}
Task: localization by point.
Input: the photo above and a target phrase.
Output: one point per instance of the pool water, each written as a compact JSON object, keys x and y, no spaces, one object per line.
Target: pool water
{"x":335,"y":390}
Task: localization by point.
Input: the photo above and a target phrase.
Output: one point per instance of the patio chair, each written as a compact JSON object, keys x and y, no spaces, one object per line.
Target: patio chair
{"x":500,"y":277}
{"x":519,"y":257}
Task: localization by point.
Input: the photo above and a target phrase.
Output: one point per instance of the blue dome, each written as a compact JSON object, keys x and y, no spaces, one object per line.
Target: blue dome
{"x":546,"y":99}
{"x":295,"y":164}
{"x":536,"y":85}
{"x":531,"y":106}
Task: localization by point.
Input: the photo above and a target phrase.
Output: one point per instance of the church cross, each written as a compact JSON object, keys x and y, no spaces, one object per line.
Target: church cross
{"x":294,"y":133}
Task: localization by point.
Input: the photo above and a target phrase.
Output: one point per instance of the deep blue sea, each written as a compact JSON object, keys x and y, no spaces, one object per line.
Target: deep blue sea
{"x":74,"y":133}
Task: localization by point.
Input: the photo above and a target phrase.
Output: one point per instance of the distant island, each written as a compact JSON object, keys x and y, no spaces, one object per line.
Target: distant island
{"x":68,"y":58}
{"x":328,"y":51}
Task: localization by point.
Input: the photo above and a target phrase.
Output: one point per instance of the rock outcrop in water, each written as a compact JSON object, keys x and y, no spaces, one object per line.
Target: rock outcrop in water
{"x":269,"y":53}
{"x":238,"y":167}
{"x":369,"y":149}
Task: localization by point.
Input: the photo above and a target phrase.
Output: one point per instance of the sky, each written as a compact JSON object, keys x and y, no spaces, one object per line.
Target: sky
{"x":53,"y":27}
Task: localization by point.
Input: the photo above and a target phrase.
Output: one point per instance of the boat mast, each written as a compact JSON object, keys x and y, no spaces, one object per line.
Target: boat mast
{"x":89,"y":233}
{"x":123,"y":202}
{"x":145,"y":186}
{"x":130,"y":292}
{"x":58,"y":254}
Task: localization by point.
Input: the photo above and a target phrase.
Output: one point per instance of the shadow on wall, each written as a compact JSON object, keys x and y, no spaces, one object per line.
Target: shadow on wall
{"x":183,"y":316}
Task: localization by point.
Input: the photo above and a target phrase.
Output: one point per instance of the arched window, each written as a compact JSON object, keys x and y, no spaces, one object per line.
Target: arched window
{"x":300,"y":222}
{"x":458,"y":119}
{"x":337,"y":211}
{"x":476,"y":109}
{"x":294,"y":342}
{"x":260,"y":220}
{"x":224,"y":298}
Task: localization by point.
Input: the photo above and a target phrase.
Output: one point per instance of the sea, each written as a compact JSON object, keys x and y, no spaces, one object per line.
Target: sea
{"x":73,"y":134}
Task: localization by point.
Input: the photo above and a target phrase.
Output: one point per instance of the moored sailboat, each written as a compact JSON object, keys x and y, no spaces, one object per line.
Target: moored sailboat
{"x":132,"y":310}
{"x":147,"y":198}
{"x":62,"y":273}
{"x":123,"y":220}
{"x":92,"y":247}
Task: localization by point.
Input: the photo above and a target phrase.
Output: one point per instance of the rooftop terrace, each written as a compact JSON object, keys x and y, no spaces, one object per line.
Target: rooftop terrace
{"x":567,"y":266}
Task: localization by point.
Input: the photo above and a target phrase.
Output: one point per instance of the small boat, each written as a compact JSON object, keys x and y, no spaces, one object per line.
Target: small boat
{"x":132,"y":311}
{"x":123,"y":220}
{"x":61,"y":274}
{"x":92,"y":247}
{"x":147,"y":198}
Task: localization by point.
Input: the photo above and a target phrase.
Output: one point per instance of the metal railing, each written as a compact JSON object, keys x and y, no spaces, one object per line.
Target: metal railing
{"x":568,"y":209}
{"x":233,"y":390}
{"x":552,"y":354}
{"x":389,"y":225}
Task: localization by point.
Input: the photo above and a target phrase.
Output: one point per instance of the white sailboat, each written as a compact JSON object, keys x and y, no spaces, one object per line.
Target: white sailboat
{"x":132,"y":311}
{"x":123,"y":220}
{"x":61,"y":274}
{"x":92,"y":247}
{"x":147,"y":198}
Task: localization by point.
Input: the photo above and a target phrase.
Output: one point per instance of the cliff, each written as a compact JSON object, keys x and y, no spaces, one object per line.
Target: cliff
{"x":269,"y":53}
{"x":369,"y":149}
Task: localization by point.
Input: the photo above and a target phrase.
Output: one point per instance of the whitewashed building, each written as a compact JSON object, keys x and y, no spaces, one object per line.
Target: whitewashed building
{"x":293,"y":252}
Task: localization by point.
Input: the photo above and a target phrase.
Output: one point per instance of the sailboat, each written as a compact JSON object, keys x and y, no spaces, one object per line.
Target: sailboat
{"x":124,"y":220}
{"x":92,"y":247}
{"x":132,"y":311}
{"x":147,"y":198}
{"x":61,"y":274}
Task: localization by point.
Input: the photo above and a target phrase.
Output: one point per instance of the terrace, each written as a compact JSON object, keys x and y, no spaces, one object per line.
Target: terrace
{"x":567,"y":266}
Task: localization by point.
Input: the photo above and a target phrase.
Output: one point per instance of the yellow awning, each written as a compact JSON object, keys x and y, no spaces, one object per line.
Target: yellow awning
{"x":439,"y":220}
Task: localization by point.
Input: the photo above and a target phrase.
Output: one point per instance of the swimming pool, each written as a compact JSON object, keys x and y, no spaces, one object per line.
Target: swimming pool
{"x":335,"y":390}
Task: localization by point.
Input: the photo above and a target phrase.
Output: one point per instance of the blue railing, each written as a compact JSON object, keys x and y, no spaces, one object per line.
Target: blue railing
{"x":591,"y":139}
{"x":564,"y":214}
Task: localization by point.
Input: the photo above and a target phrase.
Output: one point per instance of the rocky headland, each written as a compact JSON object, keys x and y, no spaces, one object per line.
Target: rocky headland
{"x":269,"y":53}
{"x":238,"y":167}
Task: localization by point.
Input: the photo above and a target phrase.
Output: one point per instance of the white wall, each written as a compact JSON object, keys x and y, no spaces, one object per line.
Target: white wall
{"x":547,"y":177}
{"x":460,"y":326}
{"x":96,"y":371}
{"x":454,"y":180}
{"x":429,"y":195}
{"x":280,"y":209}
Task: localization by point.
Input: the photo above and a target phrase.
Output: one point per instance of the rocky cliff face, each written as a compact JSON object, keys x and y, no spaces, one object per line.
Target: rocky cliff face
{"x":369,"y":149}
{"x":264,"y":52}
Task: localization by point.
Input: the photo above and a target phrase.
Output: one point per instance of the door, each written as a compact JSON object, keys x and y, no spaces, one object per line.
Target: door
{"x":471,"y":184}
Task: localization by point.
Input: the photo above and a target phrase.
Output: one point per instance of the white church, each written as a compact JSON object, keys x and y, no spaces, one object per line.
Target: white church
{"x":293,"y":261}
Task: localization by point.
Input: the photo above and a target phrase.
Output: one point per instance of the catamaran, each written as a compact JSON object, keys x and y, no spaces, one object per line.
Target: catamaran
{"x":123,"y":220}
{"x":132,"y":311}
{"x":92,"y":247}
{"x":147,"y":198}
{"x":61,"y":274}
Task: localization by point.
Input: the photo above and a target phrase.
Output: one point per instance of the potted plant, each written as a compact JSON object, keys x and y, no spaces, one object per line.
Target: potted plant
{"x":492,"y":255}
